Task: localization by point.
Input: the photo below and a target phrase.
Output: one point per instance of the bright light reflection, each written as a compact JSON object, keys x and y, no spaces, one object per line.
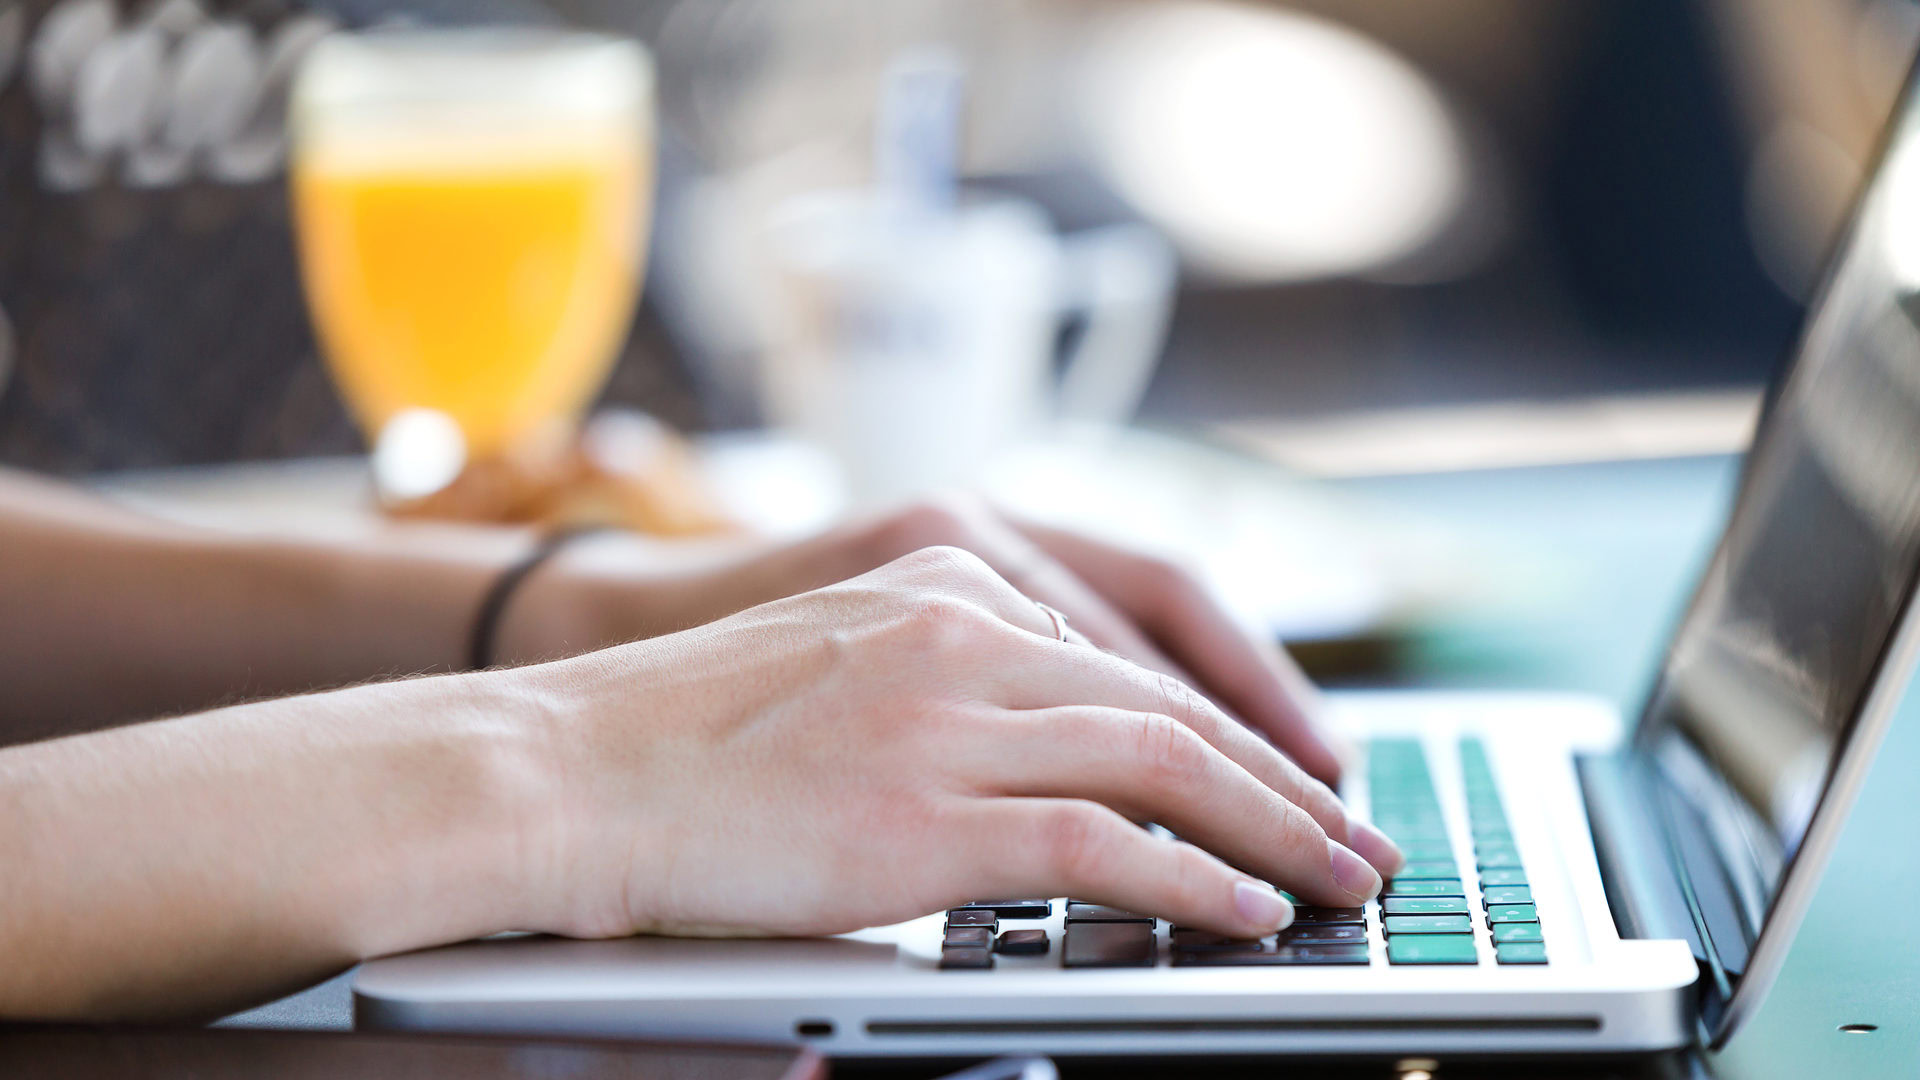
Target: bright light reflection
{"x":1900,"y":231}
{"x":1268,"y":144}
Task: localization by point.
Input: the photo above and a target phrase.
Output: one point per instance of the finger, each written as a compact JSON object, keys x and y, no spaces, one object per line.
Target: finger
{"x":1051,"y":674}
{"x":1070,"y":847}
{"x":1151,"y":767}
{"x":1252,"y":677}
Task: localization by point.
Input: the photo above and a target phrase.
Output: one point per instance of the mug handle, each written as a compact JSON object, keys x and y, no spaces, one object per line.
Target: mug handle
{"x":1118,"y":279}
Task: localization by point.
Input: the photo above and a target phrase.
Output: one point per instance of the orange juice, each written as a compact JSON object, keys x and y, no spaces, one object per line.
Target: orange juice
{"x":494,"y":293}
{"x":472,"y":216}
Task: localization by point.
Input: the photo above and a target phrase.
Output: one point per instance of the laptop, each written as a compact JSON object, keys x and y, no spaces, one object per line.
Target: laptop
{"x":1574,"y":883}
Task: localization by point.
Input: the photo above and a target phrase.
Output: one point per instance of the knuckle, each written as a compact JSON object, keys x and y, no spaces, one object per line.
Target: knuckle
{"x":1170,"y":754}
{"x":945,"y":564}
{"x":1177,"y":697}
{"x":1168,"y":577}
{"x":1074,"y":842}
{"x":939,"y":622}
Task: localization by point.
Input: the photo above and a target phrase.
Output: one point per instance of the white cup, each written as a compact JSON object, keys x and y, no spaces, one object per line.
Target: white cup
{"x":916,"y":344}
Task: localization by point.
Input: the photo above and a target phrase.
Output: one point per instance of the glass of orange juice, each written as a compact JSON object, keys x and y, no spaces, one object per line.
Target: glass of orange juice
{"x":472,"y":209}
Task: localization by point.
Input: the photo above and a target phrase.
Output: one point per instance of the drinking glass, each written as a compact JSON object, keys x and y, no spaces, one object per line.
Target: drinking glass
{"x":472,"y":209}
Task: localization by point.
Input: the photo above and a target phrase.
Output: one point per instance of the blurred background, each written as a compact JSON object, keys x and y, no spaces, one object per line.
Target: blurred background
{"x":1375,"y":204}
{"x":1364,"y":241}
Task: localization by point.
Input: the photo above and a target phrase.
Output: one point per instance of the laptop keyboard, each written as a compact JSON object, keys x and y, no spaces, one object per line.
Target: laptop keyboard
{"x":1424,"y":914}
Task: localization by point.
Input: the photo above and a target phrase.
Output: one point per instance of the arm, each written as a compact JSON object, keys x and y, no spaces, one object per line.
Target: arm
{"x":108,"y":616}
{"x":723,"y":780}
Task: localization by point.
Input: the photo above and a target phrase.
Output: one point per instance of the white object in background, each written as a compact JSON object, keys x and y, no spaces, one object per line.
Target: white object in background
{"x":914,"y":347}
{"x":1271,"y":145}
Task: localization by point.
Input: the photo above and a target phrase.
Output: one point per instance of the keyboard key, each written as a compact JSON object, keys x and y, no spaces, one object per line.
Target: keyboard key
{"x":1108,"y":944}
{"x":1289,"y":956}
{"x":1012,"y":909}
{"x":1515,"y":933}
{"x":1521,"y":952}
{"x":1502,"y":876}
{"x":1425,"y":905}
{"x":1506,"y":894}
{"x":976,"y":937}
{"x":1207,"y":941}
{"x":1496,"y":856}
{"x":1081,"y":912}
{"x":1022,"y":943}
{"x":1433,"y":949}
{"x":1435,"y":887}
{"x":1431,"y":870}
{"x":974,"y":917}
{"x":966,"y":958}
{"x":1427,"y":924}
{"x":1329,"y":916}
{"x":1322,"y":935}
{"x":1504,"y":913}
{"x":1426,"y":850}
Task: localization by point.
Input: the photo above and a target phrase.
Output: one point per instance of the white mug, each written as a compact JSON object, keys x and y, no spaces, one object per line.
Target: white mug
{"x":916,"y":344}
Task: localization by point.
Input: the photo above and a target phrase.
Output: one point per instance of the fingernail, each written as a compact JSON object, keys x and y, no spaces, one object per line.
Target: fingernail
{"x":1260,"y":906}
{"x":1373,"y":845}
{"x":1353,"y":873}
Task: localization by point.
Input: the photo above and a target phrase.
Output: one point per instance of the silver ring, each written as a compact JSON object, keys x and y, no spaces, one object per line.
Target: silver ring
{"x":1059,"y":620}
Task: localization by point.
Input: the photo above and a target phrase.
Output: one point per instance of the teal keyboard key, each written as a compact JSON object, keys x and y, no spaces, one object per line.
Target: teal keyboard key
{"x":1502,"y":876}
{"x":1434,"y":887}
{"x":1496,"y":856}
{"x":1427,"y":924}
{"x":1514,"y":933}
{"x":1521,"y":952}
{"x":1433,"y":949}
{"x":1425,"y":905}
{"x":1505,"y":913}
{"x":1426,"y":850}
{"x":1430,"y":870}
{"x":1506,"y":894}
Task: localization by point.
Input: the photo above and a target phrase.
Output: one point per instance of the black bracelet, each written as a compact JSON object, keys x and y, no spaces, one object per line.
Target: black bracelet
{"x":486,"y":624}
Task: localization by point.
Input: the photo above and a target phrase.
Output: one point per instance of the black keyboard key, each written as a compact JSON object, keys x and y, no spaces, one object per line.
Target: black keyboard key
{"x":1329,"y":916}
{"x":972,"y":917}
{"x":1081,"y":912}
{"x":1427,"y":924}
{"x":1292,"y":955}
{"x":1022,"y":943}
{"x":974,"y":937}
{"x":1322,"y":935}
{"x":1012,"y":909}
{"x":1107,"y":944}
{"x":966,"y":958}
{"x":1207,"y":941}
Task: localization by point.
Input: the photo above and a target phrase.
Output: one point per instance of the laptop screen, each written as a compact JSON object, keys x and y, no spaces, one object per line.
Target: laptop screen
{"x":1800,"y":603}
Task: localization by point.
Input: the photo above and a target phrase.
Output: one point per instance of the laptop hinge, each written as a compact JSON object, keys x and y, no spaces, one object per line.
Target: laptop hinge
{"x":1636,"y":862}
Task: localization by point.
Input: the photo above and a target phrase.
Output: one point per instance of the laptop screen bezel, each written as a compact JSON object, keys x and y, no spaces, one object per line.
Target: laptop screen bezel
{"x":1873,"y":712}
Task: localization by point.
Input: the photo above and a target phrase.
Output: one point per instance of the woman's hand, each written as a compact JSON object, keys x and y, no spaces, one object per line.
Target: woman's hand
{"x":1147,"y":609}
{"x":900,"y":743}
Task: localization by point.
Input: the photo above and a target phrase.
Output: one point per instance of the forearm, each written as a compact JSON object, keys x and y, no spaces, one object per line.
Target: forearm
{"x":186,"y":867}
{"x":108,"y":616}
